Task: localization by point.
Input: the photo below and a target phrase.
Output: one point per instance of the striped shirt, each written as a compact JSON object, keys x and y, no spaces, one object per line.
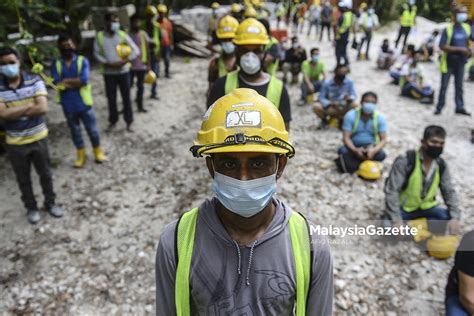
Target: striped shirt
{"x":24,"y":130}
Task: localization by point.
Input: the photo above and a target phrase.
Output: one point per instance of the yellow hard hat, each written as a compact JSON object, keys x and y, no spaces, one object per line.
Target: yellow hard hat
{"x":227,"y":27}
{"x":363,"y":5}
{"x":421,"y":224}
{"x":250,"y":12}
{"x":369,"y":170}
{"x":215,"y":5}
{"x":150,"y":10}
{"x":150,"y":77}
{"x":251,"y":32}
{"x":242,"y":121}
{"x":235,"y":8}
{"x":123,"y":51}
{"x":442,"y":247}
{"x":162,"y":8}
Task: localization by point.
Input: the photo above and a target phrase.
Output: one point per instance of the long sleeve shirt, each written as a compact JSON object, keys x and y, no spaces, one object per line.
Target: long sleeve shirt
{"x":110,"y":52}
{"x":399,"y":175}
{"x":332,"y":92}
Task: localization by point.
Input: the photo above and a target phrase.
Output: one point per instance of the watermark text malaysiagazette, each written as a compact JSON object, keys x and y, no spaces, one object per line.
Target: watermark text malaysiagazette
{"x":356,"y":230}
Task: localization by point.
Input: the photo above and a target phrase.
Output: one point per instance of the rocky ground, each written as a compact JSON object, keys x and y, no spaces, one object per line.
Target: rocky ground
{"x":99,"y":258}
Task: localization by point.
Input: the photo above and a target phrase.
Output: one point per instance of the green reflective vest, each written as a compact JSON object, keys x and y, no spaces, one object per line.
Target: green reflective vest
{"x":273,"y":67}
{"x":443,"y":59}
{"x":375,"y":120}
{"x":143,"y":46}
{"x":346,"y":23}
{"x":300,"y":242}
{"x":155,"y":36}
{"x":85,"y":91}
{"x":221,"y":67}
{"x":411,"y":198}
{"x":407,"y":19}
{"x":274,"y":90}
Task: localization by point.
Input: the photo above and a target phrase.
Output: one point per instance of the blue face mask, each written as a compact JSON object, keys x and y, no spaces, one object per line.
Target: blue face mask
{"x":315,"y":58}
{"x":368,"y":108}
{"x":244,"y":198}
{"x":461,"y":17}
{"x":10,"y":71}
{"x":115,"y":26}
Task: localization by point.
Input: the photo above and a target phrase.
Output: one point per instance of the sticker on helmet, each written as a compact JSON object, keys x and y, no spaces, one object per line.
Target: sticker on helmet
{"x":243,"y":119}
{"x":253,"y":29}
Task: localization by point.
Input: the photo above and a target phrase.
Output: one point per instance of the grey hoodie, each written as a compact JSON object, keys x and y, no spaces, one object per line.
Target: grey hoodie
{"x":256,"y":279}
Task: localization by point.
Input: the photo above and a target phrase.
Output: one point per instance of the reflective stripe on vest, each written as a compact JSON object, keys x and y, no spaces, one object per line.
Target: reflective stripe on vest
{"x":411,"y":198}
{"x":274,"y":90}
{"x":300,"y":242}
{"x":156,"y":38}
{"x":221,"y":67}
{"x":85,"y":91}
{"x":375,"y":120}
{"x":346,"y":23}
{"x":443,"y":59}
{"x":407,"y":19}
{"x":144,"y":47}
{"x":273,"y":67}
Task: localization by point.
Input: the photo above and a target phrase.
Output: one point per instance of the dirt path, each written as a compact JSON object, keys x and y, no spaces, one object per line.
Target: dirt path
{"x":99,"y":258}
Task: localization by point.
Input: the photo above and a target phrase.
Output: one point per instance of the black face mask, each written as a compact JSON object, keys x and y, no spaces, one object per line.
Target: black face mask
{"x":67,"y":52}
{"x":340,"y":77}
{"x":434,"y":151}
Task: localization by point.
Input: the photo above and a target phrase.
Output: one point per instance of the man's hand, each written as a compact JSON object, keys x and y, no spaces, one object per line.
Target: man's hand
{"x":371,"y":152}
{"x":118,"y":64}
{"x":310,"y":88}
{"x":453,"y":226}
{"x":360,"y":153}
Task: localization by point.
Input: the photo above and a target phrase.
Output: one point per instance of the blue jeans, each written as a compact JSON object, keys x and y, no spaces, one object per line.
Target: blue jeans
{"x":380,"y":156}
{"x":458,"y":72}
{"x":454,"y":307}
{"x":304,"y":89}
{"x":88,"y":119}
{"x":155,"y":66}
{"x":436,"y":216}
{"x":395,"y":76}
{"x":341,"y":52}
{"x":166,"y":54}
{"x":410,"y":90}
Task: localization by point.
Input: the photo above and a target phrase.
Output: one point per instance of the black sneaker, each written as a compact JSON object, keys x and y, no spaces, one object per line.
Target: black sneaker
{"x":34,"y":216}
{"x":110,"y":128}
{"x":154,"y":97}
{"x":426,"y":100}
{"x":437,"y":112}
{"x":142,"y":110}
{"x":463,"y":112}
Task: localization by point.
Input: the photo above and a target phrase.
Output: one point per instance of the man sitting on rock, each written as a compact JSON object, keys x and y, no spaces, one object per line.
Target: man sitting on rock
{"x":364,"y":135}
{"x":313,"y":75}
{"x":337,"y":97}
{"x":412,"y":82}
{"x":414,"y":181}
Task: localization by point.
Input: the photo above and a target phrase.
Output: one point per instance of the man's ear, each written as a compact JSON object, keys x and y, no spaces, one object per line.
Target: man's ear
{"x":210,"y":166}
{"x":282,"y":161}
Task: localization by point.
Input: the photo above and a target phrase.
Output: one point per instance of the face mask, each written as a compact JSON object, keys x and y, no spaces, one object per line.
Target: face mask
{"x":228,"y":47}
{"x":411,"y":2}
{"x":244,"y":198}
{"x":340,"y":77}
{"x":461,"y":17}
{"x":10,"y":71}
{"x":315,"y":58}
{"x":67,"y":51}
{"x":296,"y":45}
{"x":371,"y":11}
{"x":115,"y":26}
{"x":434,"y":151}
{"x":250,"y":63}
{"x":368,"y":108}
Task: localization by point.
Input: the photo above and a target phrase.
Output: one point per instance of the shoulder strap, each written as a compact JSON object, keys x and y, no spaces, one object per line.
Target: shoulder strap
{"x":80,"y":61}
{"x":411,"y":158}
{"x":59,"y":67}
{"x":231,"y":81}
{"x":274,"y":91}
{"x":100,"y":42}
{"x":300,"y":235}
{"x":356,"y":121}
{"x":375,"y":119}
{"x":184,"y":244}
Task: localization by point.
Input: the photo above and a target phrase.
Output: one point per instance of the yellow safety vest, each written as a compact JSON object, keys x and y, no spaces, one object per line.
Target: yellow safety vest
{"x":274,"y":90}
{"x":411,"y":198}
{"x":85,"y":91}
{"x":407,"y":19}
{"x":375,"y":120}
{"x":443,"y":59}
{"x":100,"y":43}
{"x":185,"y":236}
{"x":273,"y":67}
{"x":346,"y":24}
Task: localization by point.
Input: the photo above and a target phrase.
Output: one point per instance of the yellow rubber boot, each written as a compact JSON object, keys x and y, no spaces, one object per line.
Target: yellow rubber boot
{"x":81,"y":158}
{"x":99,"y":155}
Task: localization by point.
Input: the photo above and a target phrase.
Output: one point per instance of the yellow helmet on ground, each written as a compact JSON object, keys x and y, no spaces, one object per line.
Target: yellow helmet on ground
{"x":150,"y":10}
{"x":123,"y":51}
{"x":150,"y":77}
{"x":242,"y":121}
{"x":251,"y":32}
{"x":227,"y":27}
{"x":250,"y":12}
{"x":235,"y":8}
{"x":215,"y":5}
{"x":369,"y":170}
{"x":421,"y":224}
{"x":442,"y":247}
{"x":162,"y":8}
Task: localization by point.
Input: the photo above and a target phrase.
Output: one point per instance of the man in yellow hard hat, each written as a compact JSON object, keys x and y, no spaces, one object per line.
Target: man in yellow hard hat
{"x":407,"y":21}
{"x":228,"y":253}
{"x":236,"y":11}
{"x":412,"y":186}
{"x":226,"y":62}
{"x":116,"y":69}
{"x":167,"y":41}
{"x":152,"y":28}
{"x":213,"y":21}
{"x":250,"y":40}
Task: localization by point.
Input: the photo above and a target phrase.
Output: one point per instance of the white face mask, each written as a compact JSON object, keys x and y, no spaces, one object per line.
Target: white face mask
{"x":250,"y":63}
{"x":115,"y":26}
{"x":228,"y":47}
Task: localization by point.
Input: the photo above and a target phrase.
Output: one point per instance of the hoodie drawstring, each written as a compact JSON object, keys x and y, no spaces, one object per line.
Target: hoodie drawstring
{"x":238,"y":253}
{"x":250,"y":263}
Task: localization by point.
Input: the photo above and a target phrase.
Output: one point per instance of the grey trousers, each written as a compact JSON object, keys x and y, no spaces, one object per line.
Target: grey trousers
{"x":22,"y":157}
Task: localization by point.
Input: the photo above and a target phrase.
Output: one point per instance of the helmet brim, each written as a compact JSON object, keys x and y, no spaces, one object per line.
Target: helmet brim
{"x":247,"y":148}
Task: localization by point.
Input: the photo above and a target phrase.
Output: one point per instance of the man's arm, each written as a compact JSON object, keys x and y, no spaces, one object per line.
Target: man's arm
{"x":135,"y":50}
{"x":447,"y":48}
{"x":217,"y":91}
{"x":97,"y":55}
{"x":81,"y":80}
{"x":13,"y":113}
{"x":285,"y":108}
{"x":466,"y":291}
{"x":449,"y":194}
{"x":393,"y":187}
{"x":40,"y":107}
{"x":352,"y":92}
{"x":323,"y":96}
